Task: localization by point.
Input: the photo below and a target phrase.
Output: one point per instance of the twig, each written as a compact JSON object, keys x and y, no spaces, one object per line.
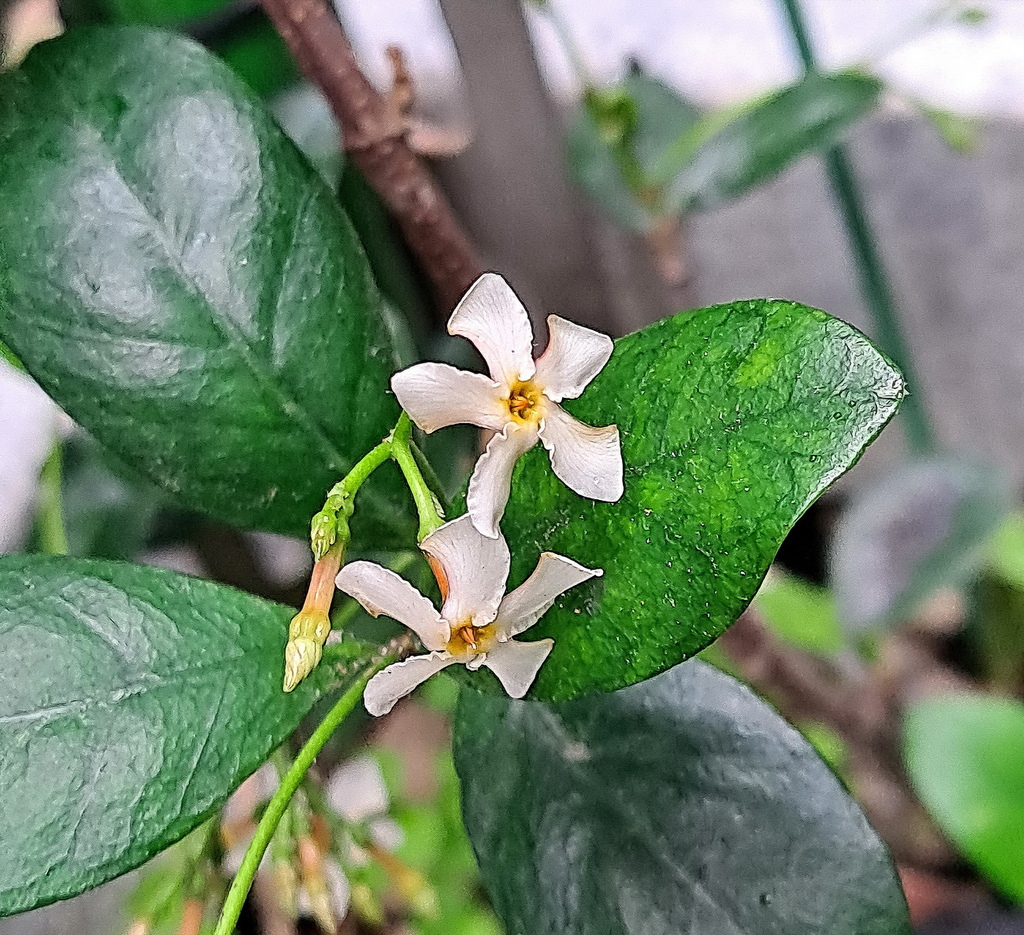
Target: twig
{"x":373,"y":131}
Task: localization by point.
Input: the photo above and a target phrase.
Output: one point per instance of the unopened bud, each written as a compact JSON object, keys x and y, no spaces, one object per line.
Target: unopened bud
{"x":307,"y":634}
{"x":323,"y":532}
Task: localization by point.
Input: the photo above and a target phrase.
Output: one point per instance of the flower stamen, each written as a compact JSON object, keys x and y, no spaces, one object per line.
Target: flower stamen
{"x":522,"y":401}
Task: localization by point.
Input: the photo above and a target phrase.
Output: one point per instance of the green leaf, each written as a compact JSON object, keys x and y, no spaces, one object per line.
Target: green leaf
{"x":681,"y":805}
{"x":393,"y":267}
{"x":184,"y":285}
{"x":803,"y":614}
{"x":105,"y":515}
{"x":618,"y":137}
{"x":733,"y":420}
{"x":1006,"y":551}
{"x":922,"y":527}
{"x":713,"y":163}
{"x":965,"y":756}
{"x":162,"y":12}
{"x":960,"y":133}
{"x":132,"y":702}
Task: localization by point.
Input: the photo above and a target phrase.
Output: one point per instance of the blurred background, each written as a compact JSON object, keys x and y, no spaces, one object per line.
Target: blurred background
{"x":619,"y":162}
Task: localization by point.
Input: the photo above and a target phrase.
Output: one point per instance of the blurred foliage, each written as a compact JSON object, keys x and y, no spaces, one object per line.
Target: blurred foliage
{"x":965,"y":756}
{"x":924,"y":525}
{"x":643,"y":153}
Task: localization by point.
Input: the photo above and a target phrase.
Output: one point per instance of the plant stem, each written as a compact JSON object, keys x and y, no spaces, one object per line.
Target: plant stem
{"x":50,"y":511}
{"x":290,"y":782}
{"x":874,"y":283}
{"x":426,"y":504}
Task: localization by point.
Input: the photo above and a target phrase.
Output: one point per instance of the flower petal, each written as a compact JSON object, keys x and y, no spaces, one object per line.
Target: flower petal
{"x":437,"y":395}
{"x":587,"y":460}
{"x":385,"y":689}
{"x":492,"y":317}
{"x":381,"y":591}
{"x":574,"y":356}
{"x":492,"y":477}
{"x":524,"y":606}
{"x":517,"y":664}
{"x":475,"y":567}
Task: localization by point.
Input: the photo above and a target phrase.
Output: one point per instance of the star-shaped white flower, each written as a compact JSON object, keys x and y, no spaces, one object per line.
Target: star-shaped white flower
{"x":519,"y":401}
{"x":478,"y":620}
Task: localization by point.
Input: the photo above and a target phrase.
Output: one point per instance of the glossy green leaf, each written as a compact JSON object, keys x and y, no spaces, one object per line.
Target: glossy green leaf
{"x":733,"y":420}
{"x":132,"y":702}
{"x":923,"y":526}
{"x":618,"y":137}
{"x":965,"y":756}
{"x":178,"y":278}
{"x":681,"y":805}
{"x":713,"y":163}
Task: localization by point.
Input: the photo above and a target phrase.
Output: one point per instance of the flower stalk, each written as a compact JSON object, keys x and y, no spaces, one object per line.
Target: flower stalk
{"x":278,"y":805}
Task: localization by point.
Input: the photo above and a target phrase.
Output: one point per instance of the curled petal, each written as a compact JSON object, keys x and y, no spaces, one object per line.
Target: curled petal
{"x":587,"y":460}
{"x":492,"y":477}
{"x":475,"y":568}
{"x":437,"y":395}
{"x":381,"y":591}
{"x":517,"y":664}
{"x":524,"y":606}
{"x":492,"y":317}
{"x":385,"y":689}
{"x":574,"y":356}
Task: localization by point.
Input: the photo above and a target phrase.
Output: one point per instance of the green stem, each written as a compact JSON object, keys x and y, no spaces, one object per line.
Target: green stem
{"x":874,"y":283}
{"x":330,"y":525}
{"x":50,"y":512}
{"x":291,"y":781}
{"x":426,"y":503}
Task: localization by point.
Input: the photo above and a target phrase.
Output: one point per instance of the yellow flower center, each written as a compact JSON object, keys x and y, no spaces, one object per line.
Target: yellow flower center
{"x":468,"y":641}
{"x":524,"y":402}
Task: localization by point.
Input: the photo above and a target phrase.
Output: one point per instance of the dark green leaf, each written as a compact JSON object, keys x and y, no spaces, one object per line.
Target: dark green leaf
{"x":924,"y":526}
{"x":681,"y":805}
{"x":612,"y":156}
{"x":713,"y":163}
{"x":132,"y":702}
{"x":389,"y":258}
{"x":256,"y":51}
{"x":183,"y":284}
{"x":733,"y":420}
{"x":162,"y":12}
{"x":965,"y":756}
{"x":105,"y":516}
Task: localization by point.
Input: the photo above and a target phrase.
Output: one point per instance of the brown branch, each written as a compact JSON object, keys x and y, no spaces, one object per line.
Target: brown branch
{"x":373,"y":131}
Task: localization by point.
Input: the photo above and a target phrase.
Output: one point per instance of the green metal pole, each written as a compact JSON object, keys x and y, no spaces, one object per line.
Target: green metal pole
{"x":874,"y":283}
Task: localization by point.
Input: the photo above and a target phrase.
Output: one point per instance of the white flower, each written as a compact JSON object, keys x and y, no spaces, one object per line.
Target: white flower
{"x":520,"y":400}
{"x":478,"y":621}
